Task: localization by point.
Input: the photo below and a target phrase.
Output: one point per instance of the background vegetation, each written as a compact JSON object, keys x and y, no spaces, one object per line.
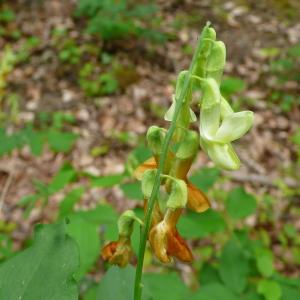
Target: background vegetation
{"x":80,"y":82}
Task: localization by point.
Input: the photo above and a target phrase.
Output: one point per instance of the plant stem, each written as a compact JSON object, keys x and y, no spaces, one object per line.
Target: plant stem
{"x":162,"y":160}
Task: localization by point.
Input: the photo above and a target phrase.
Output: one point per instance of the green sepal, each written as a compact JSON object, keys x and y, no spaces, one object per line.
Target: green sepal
{"x":126,"y":222}
{"x":170,"y":112}
{"x":189,"y":146}
{"x":155,"y":138}
{"x":148,"y":182}
{"x":178,"y":194}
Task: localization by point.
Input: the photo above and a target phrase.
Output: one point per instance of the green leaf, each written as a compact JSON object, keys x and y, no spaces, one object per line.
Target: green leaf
{"x":270,"y":289}
{"x":234,"y":267}
{"x":132,"y":190}
{"x":36,"y":142}
{"x":295,"y":51}
{"x":208,"y":274}
{"x":290,"y":293}
{"x":165,"y":286}
{"x":214,"y":291}
{"x":240,"y":204}
{"x":43,"y":271}
{"x":104,"y":216}
{"x":194,"y":225}
{"x":87,"y":237}
{"x":67,"y":204}
{"x":232,"y":85}
{"x":205,"y":178}
{"x":64,"y":176}
{"x":107,"y":181}
{"x":61,"y":141}
{"x":264,"y":262}
{"x":117,"y":284}
{"x":101,"y":214}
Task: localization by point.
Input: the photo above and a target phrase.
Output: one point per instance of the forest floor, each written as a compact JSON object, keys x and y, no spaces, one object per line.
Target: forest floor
{"x":118,"y":122}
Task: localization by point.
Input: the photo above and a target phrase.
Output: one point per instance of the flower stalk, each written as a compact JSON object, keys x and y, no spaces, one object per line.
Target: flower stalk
{"x":174,"y":151}
{"x":165,"y":147}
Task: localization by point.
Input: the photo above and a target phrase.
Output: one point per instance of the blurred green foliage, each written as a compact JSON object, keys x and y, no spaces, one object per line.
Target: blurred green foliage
{"x":232,"y":261}
{"x":284,"y":65}
{"x":119,"y":19}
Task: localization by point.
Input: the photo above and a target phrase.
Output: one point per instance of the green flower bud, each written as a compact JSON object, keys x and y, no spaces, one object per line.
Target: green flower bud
{"x":216,"y":61}
{"x":207,"y":37}
{"x":155,"y":138}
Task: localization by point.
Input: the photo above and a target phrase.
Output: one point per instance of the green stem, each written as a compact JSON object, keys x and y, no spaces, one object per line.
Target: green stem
{"x":162,"y":160}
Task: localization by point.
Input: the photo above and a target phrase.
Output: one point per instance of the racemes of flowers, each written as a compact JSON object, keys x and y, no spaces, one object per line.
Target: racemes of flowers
{"x":165,"y":185}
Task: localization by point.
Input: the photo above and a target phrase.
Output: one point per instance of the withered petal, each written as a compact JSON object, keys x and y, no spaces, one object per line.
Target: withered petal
{"x":197,"y":200}
{"x":149,"y":164}
{"x":109,"y":250}
{"x":117,"y":253}
{"x":158,"y":242}
{"x":177,"y":246}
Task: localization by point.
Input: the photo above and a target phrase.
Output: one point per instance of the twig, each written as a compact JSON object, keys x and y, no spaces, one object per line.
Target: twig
{"x":5,"y":189}
{"x":262,"y":179}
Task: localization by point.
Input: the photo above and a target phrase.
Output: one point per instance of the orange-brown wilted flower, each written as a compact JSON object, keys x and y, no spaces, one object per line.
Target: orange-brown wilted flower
{"x":166,"y":241}
{"x":197,"y":200}
{"x":118,"y":252}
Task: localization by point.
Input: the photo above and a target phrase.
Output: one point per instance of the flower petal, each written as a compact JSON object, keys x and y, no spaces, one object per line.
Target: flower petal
{"x":177,"y":246}
{"x":226,"y":109}
{"x":158,"y":242}
{"x":149,"y":164}
{"x":223,"y":155}
{"x":197,"y":200}
{"x":109,"y":250}
{"x":118,"y":253}
{"x":210,"y":109}
{"x":234,"y":126}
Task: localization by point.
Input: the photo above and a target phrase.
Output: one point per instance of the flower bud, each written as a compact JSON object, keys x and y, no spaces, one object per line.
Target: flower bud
{"x":155,"y":138}
{"x":208,"y":36}
{"x":216,"y":61}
